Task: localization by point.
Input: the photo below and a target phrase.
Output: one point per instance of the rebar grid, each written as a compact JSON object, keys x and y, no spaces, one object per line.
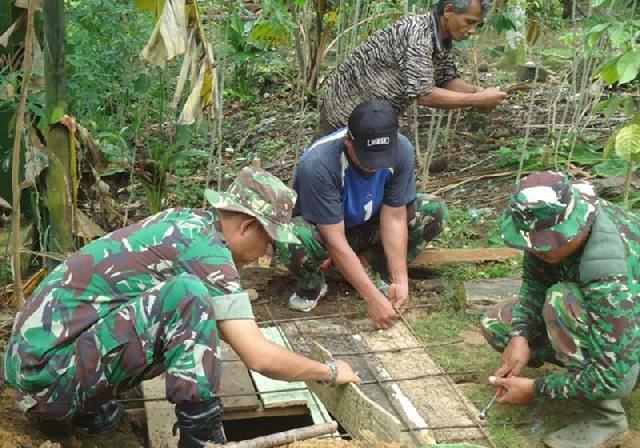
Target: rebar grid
{"x":409,"y":428}
{"x":449,"y":381}
{"x":399,"y":412}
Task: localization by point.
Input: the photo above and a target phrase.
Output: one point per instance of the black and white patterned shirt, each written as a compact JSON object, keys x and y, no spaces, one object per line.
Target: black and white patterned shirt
{"x":397,"y":64}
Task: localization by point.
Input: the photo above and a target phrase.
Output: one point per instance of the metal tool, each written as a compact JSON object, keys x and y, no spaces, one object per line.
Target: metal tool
{"x":485,"y":411}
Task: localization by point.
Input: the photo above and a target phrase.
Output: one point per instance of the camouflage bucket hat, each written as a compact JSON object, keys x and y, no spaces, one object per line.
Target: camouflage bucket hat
{"x":547,"y":211}
{"x":263,"y":196}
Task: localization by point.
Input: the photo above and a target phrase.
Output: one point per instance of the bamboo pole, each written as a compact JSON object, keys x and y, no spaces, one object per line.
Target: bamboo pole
{"x":15,"y":161}
{"x":59,"y":181}
{"x":283,"y":438}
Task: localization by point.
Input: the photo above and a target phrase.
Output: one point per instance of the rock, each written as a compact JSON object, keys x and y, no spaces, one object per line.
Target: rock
{"x":527,"y":72}
{"x":438,"y":165}
{"x":253,"y":294}
{"x":50,"y":444}
{"x":483,"y":68}
{"x":481,"y":294}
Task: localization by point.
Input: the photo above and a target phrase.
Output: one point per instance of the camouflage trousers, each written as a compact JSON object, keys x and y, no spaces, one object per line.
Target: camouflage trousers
{"x":567,"y":335}
{"x":171,"y":328}
{"x":567,"y":340}
{"x":427,"y":217}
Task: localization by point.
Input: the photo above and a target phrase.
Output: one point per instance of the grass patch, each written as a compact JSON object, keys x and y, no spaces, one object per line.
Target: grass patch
{"x":509,"y":426}
{"x":470,"y":228}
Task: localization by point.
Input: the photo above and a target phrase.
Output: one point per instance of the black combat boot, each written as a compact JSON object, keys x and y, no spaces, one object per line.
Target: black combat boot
{"x":101,"y":419}
{"x":200,"y":423}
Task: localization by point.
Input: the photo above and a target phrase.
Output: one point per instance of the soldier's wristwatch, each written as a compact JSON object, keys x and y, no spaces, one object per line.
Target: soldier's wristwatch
{"x":334,"y":372}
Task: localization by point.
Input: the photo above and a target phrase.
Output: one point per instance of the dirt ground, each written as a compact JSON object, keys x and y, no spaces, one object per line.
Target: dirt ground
{"x":17,"y":431}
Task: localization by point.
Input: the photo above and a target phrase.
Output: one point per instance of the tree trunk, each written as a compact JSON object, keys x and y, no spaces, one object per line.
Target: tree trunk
{"x":59,"y":180}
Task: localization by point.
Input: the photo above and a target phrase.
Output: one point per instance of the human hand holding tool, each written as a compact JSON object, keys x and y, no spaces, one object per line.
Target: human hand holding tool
{"x":484,"y":413}
{"x":518,"y":390}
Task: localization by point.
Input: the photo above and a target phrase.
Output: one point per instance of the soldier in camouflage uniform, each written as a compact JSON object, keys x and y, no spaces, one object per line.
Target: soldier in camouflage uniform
{"x":579,"y":306}
{"x":357,"y":194}
{"x":156,"y":297}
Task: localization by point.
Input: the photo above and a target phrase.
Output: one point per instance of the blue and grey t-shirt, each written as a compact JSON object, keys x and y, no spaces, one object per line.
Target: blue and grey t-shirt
{"x":331,"y":189}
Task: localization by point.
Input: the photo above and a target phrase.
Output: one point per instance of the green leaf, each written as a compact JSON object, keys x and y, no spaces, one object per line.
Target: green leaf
{"x":629,"y":107}
{"x":628,"y":141}
{"x":142,"y":84}
{"x":609,"y":71}
{"x":562,"y":53}
{"x":628,"y":66}
{"x":612,"y":107}
{"x":611,"y":168}
{"x":56,"y":115}
{"x":610,"y":146}
{"x":602,"y":105}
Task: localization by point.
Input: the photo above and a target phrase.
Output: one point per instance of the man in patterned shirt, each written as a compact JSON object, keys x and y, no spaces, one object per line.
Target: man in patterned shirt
{"x":156,"y":297}
{"x":409,"y":60}
{"x":579,"y":306}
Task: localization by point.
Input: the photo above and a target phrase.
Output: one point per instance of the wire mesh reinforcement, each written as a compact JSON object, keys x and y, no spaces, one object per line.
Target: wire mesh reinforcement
{"x":408,"y":427}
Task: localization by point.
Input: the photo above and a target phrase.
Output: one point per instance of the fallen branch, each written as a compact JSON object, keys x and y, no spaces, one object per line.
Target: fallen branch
{"x":466,"y":180}
{"x":284,"y":438}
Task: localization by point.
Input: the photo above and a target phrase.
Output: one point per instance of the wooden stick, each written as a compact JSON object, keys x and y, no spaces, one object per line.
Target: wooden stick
{"x":434,"y":257}
{"x":15,"y":162}
{"x":284,"y":438}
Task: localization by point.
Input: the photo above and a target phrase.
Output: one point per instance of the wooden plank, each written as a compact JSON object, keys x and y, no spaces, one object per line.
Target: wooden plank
{"x":436,"y":400}
{"x":435,"y":257}
{"x":356,"y":413}
{"x":336,"y":338}
{"x":264,"y":384}
{"x":236,"y":380}
{"x":160,"y":415}
{"x":291,"y":398}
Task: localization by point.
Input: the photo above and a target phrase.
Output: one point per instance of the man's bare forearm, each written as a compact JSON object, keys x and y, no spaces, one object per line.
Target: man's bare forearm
{"x":462,"y":86}
{"x":448,"y":99}
{"x":394,"y":235}
{"x":267,"y":358}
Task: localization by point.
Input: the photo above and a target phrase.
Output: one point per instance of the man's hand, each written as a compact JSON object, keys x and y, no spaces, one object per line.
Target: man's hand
{"x":515,"y":357}
{"x":381,"y":312}
{"x":518,"y":390}
{"x":488,"y":99}
{"x":346,"y":374}
{"x":399,"y":296}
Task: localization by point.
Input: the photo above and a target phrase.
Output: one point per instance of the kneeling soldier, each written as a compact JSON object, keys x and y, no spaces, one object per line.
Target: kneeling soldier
{"x":156,"y":297}
{"x":579,"y":306}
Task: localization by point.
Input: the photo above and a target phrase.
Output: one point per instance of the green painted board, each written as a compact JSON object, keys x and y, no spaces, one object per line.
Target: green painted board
{"x":290,"y":398}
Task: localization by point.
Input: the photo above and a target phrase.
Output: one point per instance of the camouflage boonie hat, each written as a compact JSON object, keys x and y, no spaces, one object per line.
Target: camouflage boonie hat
{"x":547,"y":211}
{"x":263,"y":196}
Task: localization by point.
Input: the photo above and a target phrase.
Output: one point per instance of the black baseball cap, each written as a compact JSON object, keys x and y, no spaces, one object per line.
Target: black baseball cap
{"x":373,"y":129}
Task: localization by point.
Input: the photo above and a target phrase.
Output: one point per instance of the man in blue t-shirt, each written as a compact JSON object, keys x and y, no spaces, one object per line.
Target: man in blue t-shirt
{"x":357,"y":206}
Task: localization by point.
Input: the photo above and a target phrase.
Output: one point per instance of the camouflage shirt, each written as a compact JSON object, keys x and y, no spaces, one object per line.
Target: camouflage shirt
{"x":110,"y":272}
{"x":607,"y":269}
